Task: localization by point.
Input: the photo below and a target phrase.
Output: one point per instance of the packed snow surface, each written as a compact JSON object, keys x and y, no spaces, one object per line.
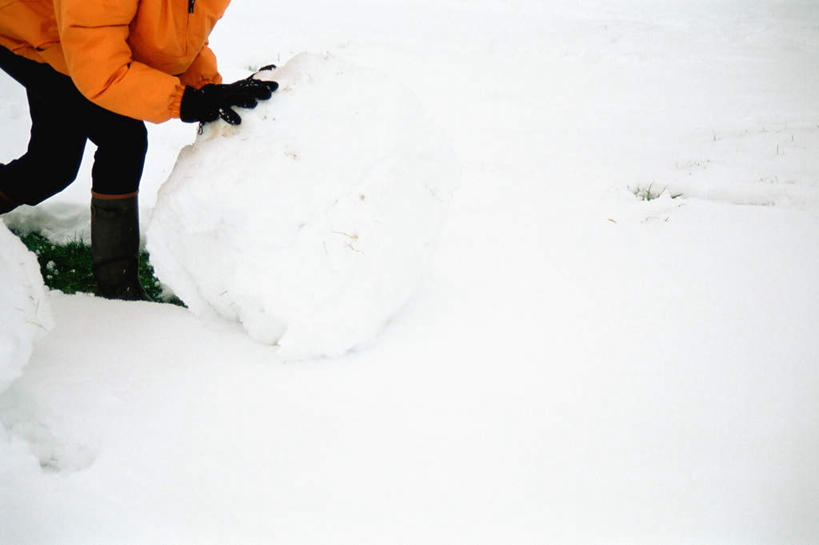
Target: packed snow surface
{"x":616,"y":344}
{"x":24,"y":310}
{"x":312,"y":222}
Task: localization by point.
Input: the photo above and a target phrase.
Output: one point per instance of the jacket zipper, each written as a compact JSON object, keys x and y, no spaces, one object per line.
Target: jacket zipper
{"x":190,"y":5}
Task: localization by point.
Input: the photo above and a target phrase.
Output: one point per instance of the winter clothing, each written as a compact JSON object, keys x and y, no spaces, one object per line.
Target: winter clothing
{"x":124,"y":56}
{"x":97,"y":69}
{"x":61,"y":121}
{"x":6,"y":203}
{"x":214,"y":101}
{"x":115,"y":247}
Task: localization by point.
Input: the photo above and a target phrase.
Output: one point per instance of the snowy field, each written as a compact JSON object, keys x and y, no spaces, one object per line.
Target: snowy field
{"x":580,"y":365}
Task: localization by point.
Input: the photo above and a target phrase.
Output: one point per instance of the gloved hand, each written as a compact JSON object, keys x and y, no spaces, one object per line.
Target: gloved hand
{"x":214,"y":100}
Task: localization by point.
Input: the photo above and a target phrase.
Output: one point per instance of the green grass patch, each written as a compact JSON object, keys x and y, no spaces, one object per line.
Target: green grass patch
{"x":67,"y":267}
{"x":650,"y":194}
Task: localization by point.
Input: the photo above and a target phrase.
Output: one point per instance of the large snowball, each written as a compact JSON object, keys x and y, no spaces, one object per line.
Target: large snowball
{"x":24,"y":311}
{"x":311,"y":222}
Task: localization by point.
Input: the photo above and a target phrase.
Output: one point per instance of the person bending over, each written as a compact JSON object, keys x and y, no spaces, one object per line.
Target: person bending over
{"x":97,"y":70}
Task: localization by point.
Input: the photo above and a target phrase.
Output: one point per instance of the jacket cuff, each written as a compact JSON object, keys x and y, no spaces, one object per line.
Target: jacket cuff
{"x":176,"y":101}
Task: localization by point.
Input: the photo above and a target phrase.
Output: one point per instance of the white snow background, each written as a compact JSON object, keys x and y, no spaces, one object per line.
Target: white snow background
{"x":580,"y":366}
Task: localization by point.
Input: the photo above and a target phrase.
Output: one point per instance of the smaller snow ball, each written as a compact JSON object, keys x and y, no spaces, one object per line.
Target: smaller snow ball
{"x":25,"y":314}
{"x":311,"y":222}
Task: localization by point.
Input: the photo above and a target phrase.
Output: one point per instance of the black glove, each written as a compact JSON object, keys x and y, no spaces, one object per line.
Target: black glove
{"x":214,"y":101}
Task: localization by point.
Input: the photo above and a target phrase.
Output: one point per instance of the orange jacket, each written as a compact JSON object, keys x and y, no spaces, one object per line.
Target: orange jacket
{"x":133,"y":57}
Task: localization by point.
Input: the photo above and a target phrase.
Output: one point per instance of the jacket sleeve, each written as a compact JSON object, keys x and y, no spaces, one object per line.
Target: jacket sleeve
{"x":94,"y":37}
{"x":202,"y":70}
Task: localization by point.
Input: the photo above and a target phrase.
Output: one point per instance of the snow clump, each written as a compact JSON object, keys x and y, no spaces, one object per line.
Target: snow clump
{"x":24,"y":311}
{"x":312,"y":221}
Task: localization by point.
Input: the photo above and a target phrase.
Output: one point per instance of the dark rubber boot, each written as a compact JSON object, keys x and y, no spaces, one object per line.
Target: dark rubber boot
{"x":115,"y":247}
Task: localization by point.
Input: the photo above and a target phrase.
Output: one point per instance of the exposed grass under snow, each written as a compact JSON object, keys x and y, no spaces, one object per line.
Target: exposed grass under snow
{"x":67,"y":267}
{"x":651,"y":193}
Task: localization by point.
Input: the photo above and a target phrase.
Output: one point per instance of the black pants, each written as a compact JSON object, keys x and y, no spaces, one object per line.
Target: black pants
{"x":61,"y":122}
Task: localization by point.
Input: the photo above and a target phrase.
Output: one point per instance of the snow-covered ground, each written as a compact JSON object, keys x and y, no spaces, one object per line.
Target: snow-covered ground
{"x":581,"y":366}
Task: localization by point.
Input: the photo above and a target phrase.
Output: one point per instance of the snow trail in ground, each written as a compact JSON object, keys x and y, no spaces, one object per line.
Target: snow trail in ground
{"x":581,"y":367}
